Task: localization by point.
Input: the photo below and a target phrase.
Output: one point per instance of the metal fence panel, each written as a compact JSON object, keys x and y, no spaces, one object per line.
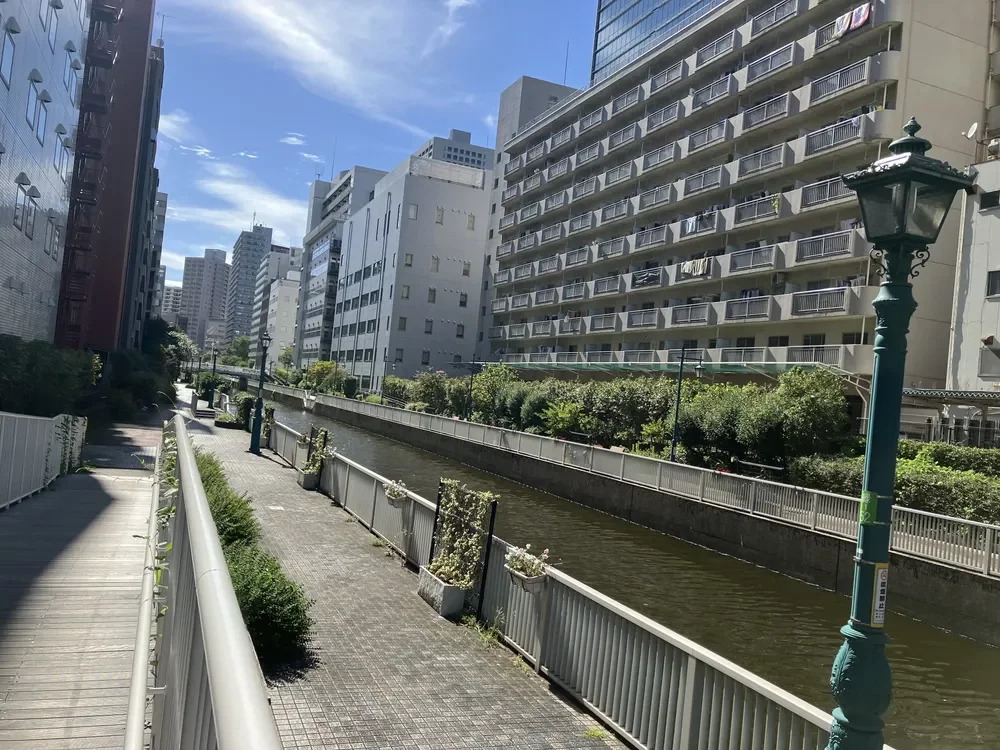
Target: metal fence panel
{"x":641,"y":470}
{"x":608,"y":462}
{"x":579,"y":456}
{"x":529,"y":445}
{"x":553,"y":450}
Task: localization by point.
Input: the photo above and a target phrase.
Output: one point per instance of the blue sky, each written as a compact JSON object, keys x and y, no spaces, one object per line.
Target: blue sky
{"x":258,"y":91}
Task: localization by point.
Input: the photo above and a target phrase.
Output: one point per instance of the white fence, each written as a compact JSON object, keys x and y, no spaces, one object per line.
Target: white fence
{"x":653,"y":686}
{"x":36,"y":450}
{"x":951,"y":541}
{"x":208,"y":692}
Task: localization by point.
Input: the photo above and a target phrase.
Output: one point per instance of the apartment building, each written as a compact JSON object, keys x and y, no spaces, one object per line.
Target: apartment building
{"x":161,"y":284}
{"x":693,"y":201}
{"x":248,"y":251}
{"x":283,"y":309}
{"x":457,"y":148}
{"x":170,"y":308}
{"x":159,"y":224}
{"x":330,"y":204}
{"x":276,"y":265}
{"x":41,"y":52}
{"x":203,"y":299}
{"x":409,"y":292}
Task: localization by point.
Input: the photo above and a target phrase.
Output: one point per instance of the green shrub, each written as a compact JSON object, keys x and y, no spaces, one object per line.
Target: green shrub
{"x":350,"y":386}
{"x":275,"y":609}
{"x":984,"y":461}
{"x":532,"y":409}
{"x":658,"y":434}
{"x":458,"y":397}
{"x":244,"y":407}
{"x":38,"y":379}
{"x":562,"y":419}
{"x":430,"y":388}
{"x":373,"y":398}
{"x":397,"y":389}
{"x":121,"y":407}
{"x":233,"y":512}
{"x":225,"y":416}
{"x":416,"y":406}
{"x":513,"y":396}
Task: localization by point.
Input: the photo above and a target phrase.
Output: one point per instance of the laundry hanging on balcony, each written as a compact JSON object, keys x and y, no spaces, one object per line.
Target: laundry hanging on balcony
{"x":852,"y":20}
{"x":697,"y":267}
{"x":690,"y":224}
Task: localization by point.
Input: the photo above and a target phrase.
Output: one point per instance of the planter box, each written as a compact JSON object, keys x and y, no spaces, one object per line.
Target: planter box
{"x":228,"y":425}
{"x":397,"y":502}
{"x":530,"y":584}
{"x":445,"y":599}
{"x":307,"y":481}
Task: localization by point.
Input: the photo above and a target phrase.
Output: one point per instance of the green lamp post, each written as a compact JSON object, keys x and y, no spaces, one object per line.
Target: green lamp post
{"x":258,"y":407}
{"x":904,"y":199}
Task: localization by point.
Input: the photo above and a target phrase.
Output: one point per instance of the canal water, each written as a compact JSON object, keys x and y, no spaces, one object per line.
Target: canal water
{"x":946,"y":688}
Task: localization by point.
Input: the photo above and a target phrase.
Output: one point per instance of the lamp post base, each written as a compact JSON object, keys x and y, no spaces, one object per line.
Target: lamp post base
{"x":861,"y":682}
{"x":258,"y":421}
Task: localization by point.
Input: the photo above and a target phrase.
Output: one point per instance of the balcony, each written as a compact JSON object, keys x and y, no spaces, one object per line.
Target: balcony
{"x":671,"y":75}
{"x":647,"y":279}
{"x":510,"y":193}
{"x":90,"y":144}
{"x":502,"y":277}
{"x":520,"y":301}
{"x":662,"y":117}
{"x":753,"y":308}
{"x":710,"y":178}
{"x":561,"y":138}
{"x":752,"y":260}
{"x":581,"y":222}
{"x":834,"y":245}
{"x":534,"y":153}
{"x":707,"y":136}
{"x":643,"y":319}
{"x":712,"y":92}
{"x":603,"y":357}
{"x":559,"y":169}
{"x":577,"y":257}
{"x":659,"y":157}
{"x":655,"y":197}
{"x":603,"y":323}
{"x":836,"y":135}
{"x":585,"y":188}
{"x":592,"y":120}
{"x":507,"y":221}
{"x":765,"y":66}
{"x":719,"y":47}
{"x":692,"y":315}
{"x":499,"y":305}
{"x":505,"y":249}
{"x":835,"y":83}
{"x":773,"y":16}
{"x":611,"y":248}
{"x":825,"y":192}
{"x":698,"y":269}
{"x":531,"y":183}
{"x":742,"y":356}
{"x":588,"y":154}
{"x":761,"y":208}
{"x":553,"y":232}
{"x":102,"y":53}
{"x":96,"y":98}
{"x":618,"y":174}
{"x":651,"y":238}
{"x":513,"y":165}
{"x":699,"y":224}
{"x":822,"y":355}
{"x":624,"y":136}
{"x":767,"y":111}
{"x":543,"y":328}
{"x":615,"y":211}
{"x":548,"y":265}
{"x":523,"y":272}
{"x":545,"y":297}
{"x":822,"y":301}
{"x":527,"y":242}
{"x":517,"y":331}
{"x":87,"y":186}
{"x":570,"y":326}
{"x":529,"y":212}
{"x":106,"y":12}
{"x":556,"y":200}
{"x":625,"y":101}
{"x":609,"y":285}
{"x":762,"y":161}
{"x":574,"y":291}
{"x":497,"y":332}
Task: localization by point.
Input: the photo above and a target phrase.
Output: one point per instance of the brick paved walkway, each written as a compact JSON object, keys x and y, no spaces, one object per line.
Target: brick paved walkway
{"x":391,"y":673}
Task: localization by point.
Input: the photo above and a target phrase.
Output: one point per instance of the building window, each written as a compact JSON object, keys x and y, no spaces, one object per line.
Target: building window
{"x":491,"y":234}
{"x":777,"y":340}
{"x":411,"y":211}
{"x":29,"y":218}
{"x":408,"y":260}
{"x":814,"y":339}
{"x":466,"y":268}
{"x":31,"y":113}
{"x":51,"y":235}
{"x":53,"y":28}
{"x":67,"y":70}
{"x":463,"y":300}
{"x":989,"y":200}
{"x":435,"y":263}
{"x":460,"y":331}
{"x":471,"y":224}
{"x":43,"y":117}
{"x":20,"y":206}
{"x":399,"y":355}
{"x":992,"y":283}
{"x":480,"y":335}
{"x":439,"y":217}
{"x":855,"y":338}
{"x":402,"y":323}
{"x":432,"y":295}
{"x":404,"y":291}
{"x":428,"y":326}
{"x":7,"y":58}
{"x":425,"y":357}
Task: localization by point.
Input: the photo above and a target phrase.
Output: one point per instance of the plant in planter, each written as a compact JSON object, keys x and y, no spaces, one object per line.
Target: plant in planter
{"x":265,"y":434}
{"x":308,"y":475}
{"x":527,"y":571}
{"x":227,"y":421}
{"x":395,"y":493}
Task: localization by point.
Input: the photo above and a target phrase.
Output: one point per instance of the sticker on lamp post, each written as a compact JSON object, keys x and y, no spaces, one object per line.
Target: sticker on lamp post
{"x":881,"y":589}
{"x":869,"y":507}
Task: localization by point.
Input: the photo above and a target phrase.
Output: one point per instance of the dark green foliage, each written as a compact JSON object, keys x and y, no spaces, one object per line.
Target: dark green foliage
{"x":534,"y":405}
{"x":397,"y":389}
{"x":244,"y":407}
{"x":984,"y":461}
{"x":232,"y":511}
{"x":206,"y":382}
{"x":430,"y":388}
{"x":120,"y":404}
{"x":350,"y":386}
{"x":416,"y":406}
{"x":461,"y":534}
{"x":38,"y":379}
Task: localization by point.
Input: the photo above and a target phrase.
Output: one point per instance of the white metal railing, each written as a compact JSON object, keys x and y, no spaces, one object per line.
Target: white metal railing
{"x":699,"y":223}
{"x":824,"y":245}
{"x":833,"y":136}
{"x":543,"y":328}
{"x":748,"y":309}
{"x":838,"y":81}
{"x":663,"y":116}
{"x":951,"y":541}
{"x":532,"y":182}
{"x":615,"y":210}
{"x":571,"y":325}
{"x":670,"y":75}
{"x":508,"y":220}
{"x":720,"y":46}
{"x":529,"y":212}
{"x":623,"y":136}
{"x":497,"y":332}
{"x":688,"y":314}
{"x":577,"y":257}
{"x":527,"y":241}
{"x":36,"y":450}
{"x":548,"y":264}
{"x":523,"y":271}
{"x":545,"y":296}
{"x":586,"y":187}
{"x":773,"y":16}
{"x":757,"y":209}
{"x":520,"y":301}
{"x":643,"y":318}
{"x":761,"y":161}
{"x":502,"y":277}
{"x":758,"y":257}
{"x":510,"y":192}
{"x":706,"y":136}
{"x":499,"y":305}
{"x":824,"y":300}
{"x":618,"y":174}
{"x":647,"y":278}
{"x":581,"y":222}
{"x":608,"y":285}
{"x":766,"y":111}
{"x":552,"y":232}
{"x":611,"y":248}
{"x":710,"y":178}
{"x":626,"y":100}
{"x":517,"y":330}
{"x":563,"y":136}
{"x":651,"y":237}
{"x":594,"y":118}
{"x":505,"y":249}
{"x":208,"y":691}
{"x":824,"y":192}
{"x":535,"y":152}
{"x":513,"y":165}
{"x":574,"y":291}
{"x":711,"y":92}
{"x":744,"y":355}
{"x":822,"y":355}
{"x":640,"y":355}
{"x":559,"y":168}
{"x":588,"y":154}
{"x":607,"y":322}
{"x":770,"y":63}
{"x":655,"y":197}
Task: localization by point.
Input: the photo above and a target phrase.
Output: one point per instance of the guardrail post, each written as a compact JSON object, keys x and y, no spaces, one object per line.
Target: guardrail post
{"x":701,"y":486}
{"x":815,"y":511}
{"x":374,"y":503}
{"x":988,"y":557}
{"x":621,"y":470}
{"x":659,"y":475}
{"x":753,"y":498}
{"x":691,"y":718}
{"x":541,"y":624}
{"x":518,"y":449}
{"x":564,"y":452}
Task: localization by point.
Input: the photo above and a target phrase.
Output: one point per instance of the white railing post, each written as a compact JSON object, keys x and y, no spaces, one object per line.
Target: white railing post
{"x":659,"y":474}
{"x":621,"y":470}
{"x":988,"y":557}
{"x":565,"y":450}
{"x":753,"y":498}
{"x":541,"y":623}
{"x":701,"y":486}
{"x":815,"y":511}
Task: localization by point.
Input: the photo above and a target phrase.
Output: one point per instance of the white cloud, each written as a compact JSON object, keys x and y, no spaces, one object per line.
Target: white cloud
{"x":172,"y":260}
{"x":246,"y":154}
{"x":229,"y":197}
{"x":447,"y":28}
{"x":200,"y":151}
{"x":176,"y":126}
{"x":311,"y":157}
{"x":490,"y":121}
{"x":171,"y":282}
{"x":294,"y":139}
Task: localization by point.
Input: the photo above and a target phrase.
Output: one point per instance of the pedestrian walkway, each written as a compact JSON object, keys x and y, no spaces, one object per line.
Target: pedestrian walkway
{"x":390,"y":672}
{"x":70,"y":576}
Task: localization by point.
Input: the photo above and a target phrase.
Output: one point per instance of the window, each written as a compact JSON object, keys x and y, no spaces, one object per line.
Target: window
{"x":814,"y":339}
{"x":855,"y":338}
{"x":20,"y":206}
{"x":466,"y":268}
{"x":43,"y":116}
{"x":364,"y":300}
{"x":992,"y":283}
{"x":471,"y":223}
{"x":425,"y":357}
{"x":745,"y":342}
{"x":404,"y":291}
{"x":68,"y":70}
{"x":399,"y":355}
{"x":29,"y":218}
{"x":989,"y":200}
{"x":460,"y":331}
{"x":432,"y":295}
{"x":408,"y":260}
{"x":43,"y":11}
{"x":496,"y":183}
{"x":7,"y":58}
{"x":31,"y":113}
{"x":480,"y":335}
{"x":463,"y":300}
{"x":689,"y":344}
{"x":402,"y":323}
{"x":491,"y":234}
{"x":777,"y":340}
{"x":435,"y":263}
{"x":428,"y":326}
{"x":439,"y":218}
{"x":411,"y":211}
{"x":53,"y":28}
{"x":457,"y":359}
{"x":367,"y":272}
{"x":51,"y":237}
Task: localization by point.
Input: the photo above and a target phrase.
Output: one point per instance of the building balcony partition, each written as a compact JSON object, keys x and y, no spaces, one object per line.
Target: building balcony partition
{"x":578,"y":257}
{"x":755,"y":259}
{"x":570,"y":326}
{"x":510,"y":193}
{"x":660,"y":157}
{"x":555,"y":200}
{"x":823,"y":355}
{"x":524,"y":271}
{"x":608,"y":285}
{"x":499,"y":305}
{"x":853,"y":75}
{"x":520,"y":301}
{"x":543,"y":328}
{"x":821,"y":301}
{"x":526,"y":242}
{"x":513,"y":166}
{"x":534,"y":153}
{"x":838,"y":134}
{"x":615,"y":211}
{"x":611,"y":248}
{"x":658,"y":196}
{"x":825,"y":192}
{"x":517,"y":331}
{"x":552,"y":232}
{"x":603,"y":323}
{"x":643,"y":319}
{"x":721,"y":46}
{"x":751,"y":308}
{"x":773,"y":16}
{"x":699,"y":224}
{"x":762,"y":208}
{"x":698,"y":314}
{"x":558,"y":169}
{"x":712,"y":177}
{"x":507,"y":221}
{"x":588,"y":154}
{"x":545,"y":297}
{"x":713,"y":92}
{"x":626,"y":101}
{"x":548,"y":265}
{"x":497,"y":332}
{"x":581,"y":222}
{"x":587,"y":122}
{"x":532,"y":182}
{"x":529,"y":212}
{"x":773,"y":62}
{"x":772,"y":109}
{"x":845,"y":244}
{"x":667,"y":77}
{"x":506,"y":249}
{"x":714,"y":133}
{"x":574,"y":291}
{"x":561,"y":138}
{"x":774,"y":157}
{"x":626,"y":135}
{"x":503,"y":277}
{"x":669,"y":114}
{"x":745,"y":355}
{"x":621,"y":173}
{"x":651,"y":238}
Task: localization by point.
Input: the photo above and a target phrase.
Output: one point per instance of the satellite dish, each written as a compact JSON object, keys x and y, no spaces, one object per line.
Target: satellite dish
{"x":972,"y":131}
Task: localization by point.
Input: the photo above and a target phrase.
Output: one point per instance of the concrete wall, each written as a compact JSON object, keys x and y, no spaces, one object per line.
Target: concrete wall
{"x":962,"y":601}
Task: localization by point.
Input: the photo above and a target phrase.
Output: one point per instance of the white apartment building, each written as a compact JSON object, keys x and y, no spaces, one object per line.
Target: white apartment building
{"x":248,"y":251}
{"x":330,"y":203}
{"x":170,"y":306}
{"x":411,"y":269}
{"x":276,"y":265}
{"x":42,"y":47}
{"x":283,"y":309}
{"x":203,"y":295}
{"x":457,"y":148}
{"x":692,"y":200}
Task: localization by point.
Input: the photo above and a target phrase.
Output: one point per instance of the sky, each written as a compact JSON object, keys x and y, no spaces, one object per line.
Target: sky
{"x":262,"y":96}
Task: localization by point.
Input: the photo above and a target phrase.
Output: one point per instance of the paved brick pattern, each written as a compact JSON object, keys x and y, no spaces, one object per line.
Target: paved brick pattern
{"x":390,"y":673}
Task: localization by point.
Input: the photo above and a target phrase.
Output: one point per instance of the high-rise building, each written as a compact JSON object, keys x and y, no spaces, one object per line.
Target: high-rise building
{"x":159,"y":223}
{"x":276,"y":265}
{"x":523,"y":101}
{"x":170,"y":309}
{"x":248,"y":252}
{"x":161,"y":284}
{"x":106,"y":268}
{"x":411,"y":269}
{"x":282,"y":309}
{"x":40,"y":62}
{"x":330,"y":203}
{"x":203,"y":300}
{"x":693,"y":200}
{"x":458,"y":149}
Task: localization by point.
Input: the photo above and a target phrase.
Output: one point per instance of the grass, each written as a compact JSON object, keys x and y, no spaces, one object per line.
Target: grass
{"x":595,"y":733}
{"x":488,"y":632}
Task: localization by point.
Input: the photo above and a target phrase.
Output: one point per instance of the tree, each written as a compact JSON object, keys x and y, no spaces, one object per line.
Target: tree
{"x":237,"y":354}
{"x":287,"y":357}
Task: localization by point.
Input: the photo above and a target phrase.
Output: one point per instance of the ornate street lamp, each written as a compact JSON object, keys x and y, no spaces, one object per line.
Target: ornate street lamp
{"x":699,"y":370}
{"x":211,"y":389}
{"x":258,"y":410}
{"x":904,"y":199}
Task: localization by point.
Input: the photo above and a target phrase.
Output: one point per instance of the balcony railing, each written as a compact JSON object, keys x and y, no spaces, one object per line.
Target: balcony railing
{"x":523,"y":272}
{"x":574,"y":291}
{"x":517,"y":331}
{"x":773,"y":16}
{"x":623,"y":136}
{"x":577,"y":257}
{"x":618,"y":174}
{"x":499,"y":305}
{"x":651,"y":238}
{"x":611,"y":248}
{"x":520,"y":301}
{"x":699,"y":223}
{"x":530,"y":212}
{"x":824,"y":300}
{"x":690,"y":314}
{"x":545,"y":296}
{"x":615,"y":211}
{"x":647,"y":279}
{"x":823,"y":355}
{"x":609,"y":285}
{"x":662,"y":155}
{"x":594,"y":118}
{"x":691,"y":356}
{"x":502,"y":277}
{"x":655,"y":197}
{"x":581,"y":222}
{"x":824,"y":192}
{"x":664,"y":116}
{"x":710,"y":178}
{"x":513,"y":165}
{"x":643,"y":318}
{"x":707,"y":136}
{"x":604,"y":322}
{"x":546,"y":265}
{"x":498,"y":332}
{"x":563,"y":136}
{"x":626,"y":100}
{"x":569,"y":326}
{"x":505,"y":249}
{"x":559,"y":169}
{"x":766,"y":111}
{"x":778,"y":59}
{"x":555,"y":200}
{"x":527,"y":242}
{"x":744,"y":355}
{"x":552,"y":232}
{"x":719,"y":47}
{"x":534,"y":153}
{"x":758,"y":209}
{"x":588,"y":154}
{"x":761,"y":161}
{"x":543,"y":328}
{"x":746,"y":260}
{"x":712,"y":92}
{"x":824,"y":246}
{"x":510,"y":192}
{"x":601,"y":356}
{"x":748,"y":309}
{"x":833,"y":136}
{"x":532,"y":182}
{"x":843,"y":79}
{"x":671,"y":75}
{"x":586,"y":187}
